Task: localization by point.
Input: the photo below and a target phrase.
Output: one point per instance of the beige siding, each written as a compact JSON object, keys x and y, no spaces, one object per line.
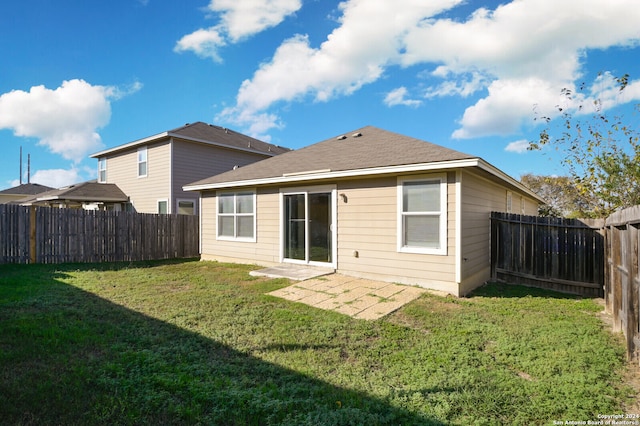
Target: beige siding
{"x":368,"y":225}
{"x":266,"y":249}
{"x":196,"y":161}
{"x":144,"y":192}
{"x":479,"y":197}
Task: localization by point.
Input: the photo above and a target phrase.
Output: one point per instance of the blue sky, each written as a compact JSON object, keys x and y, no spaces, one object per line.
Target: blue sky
{"x":80,"y":76}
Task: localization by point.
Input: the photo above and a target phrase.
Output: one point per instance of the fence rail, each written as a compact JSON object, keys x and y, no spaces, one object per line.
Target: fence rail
{"x":51,"y":235}
{"x":622,"y":293}
{"x":565,"y":255}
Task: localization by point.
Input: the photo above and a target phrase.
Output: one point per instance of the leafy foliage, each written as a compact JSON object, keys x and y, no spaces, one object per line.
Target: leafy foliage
{"x":601,"y":152}
{"x":561,"y":194}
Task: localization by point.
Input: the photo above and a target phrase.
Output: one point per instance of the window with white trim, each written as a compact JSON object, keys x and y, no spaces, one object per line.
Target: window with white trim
{"x":509,"y":201}
{"x":142,"y":162}
{"x":102,"y":170}
{"x":236,"y":216}
{"x":163,"y":206}
{"x":422,"y":215}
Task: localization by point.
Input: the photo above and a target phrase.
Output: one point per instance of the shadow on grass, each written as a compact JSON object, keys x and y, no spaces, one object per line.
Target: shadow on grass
{"x":505,"y":290}
{"x":70,"y":357}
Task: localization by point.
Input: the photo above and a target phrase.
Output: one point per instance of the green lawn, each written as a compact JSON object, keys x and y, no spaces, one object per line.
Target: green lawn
{"x":200,"y":343}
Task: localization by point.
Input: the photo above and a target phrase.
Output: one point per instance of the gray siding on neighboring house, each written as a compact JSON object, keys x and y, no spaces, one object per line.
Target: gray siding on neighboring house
{"x":193,"y":161}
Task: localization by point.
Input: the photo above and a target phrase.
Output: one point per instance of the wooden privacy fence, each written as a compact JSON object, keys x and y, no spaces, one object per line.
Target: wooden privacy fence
{"x":565,"y":255}
{"x":622,"y":292}
{"x":52,"y":235}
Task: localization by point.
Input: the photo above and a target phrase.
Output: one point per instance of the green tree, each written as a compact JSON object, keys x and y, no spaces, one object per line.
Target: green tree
{"x":561,"y":194}
{"x":601,"y":152}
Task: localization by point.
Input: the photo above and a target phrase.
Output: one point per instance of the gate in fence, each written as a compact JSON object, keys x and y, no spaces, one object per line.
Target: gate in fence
{"x":565,"y":255}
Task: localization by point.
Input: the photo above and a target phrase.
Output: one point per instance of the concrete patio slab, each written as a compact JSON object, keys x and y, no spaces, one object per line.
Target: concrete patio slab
{"x":292,"y":272}
{"x":359,"y":298}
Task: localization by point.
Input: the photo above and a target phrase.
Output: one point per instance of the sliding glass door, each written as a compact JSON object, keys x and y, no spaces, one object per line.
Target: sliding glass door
{"x":308,"y":231}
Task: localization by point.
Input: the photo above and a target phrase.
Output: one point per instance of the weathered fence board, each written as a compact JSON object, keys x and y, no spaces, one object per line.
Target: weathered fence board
{"x":565,"y":255}
{"x":51,"y":235}
{"x":622,"y":292}
{"x":14,"y":234}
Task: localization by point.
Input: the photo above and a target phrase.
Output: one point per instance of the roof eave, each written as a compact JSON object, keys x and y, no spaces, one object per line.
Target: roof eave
{"x":163,"y":135}
{"x":129,"y":145}
{"x":328,"y":174}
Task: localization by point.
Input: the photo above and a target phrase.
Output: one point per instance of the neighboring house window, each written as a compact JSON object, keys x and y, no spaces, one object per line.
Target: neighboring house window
{"x":102,"y":170}
{"x":142,"y":162}
{"x":186,"y":207}
{"x":509,"y":201}
{"x":236,"y":216}
{"x":163,"y":207}
{"x":422,"y":219}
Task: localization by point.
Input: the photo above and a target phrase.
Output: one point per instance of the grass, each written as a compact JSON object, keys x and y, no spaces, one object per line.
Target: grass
{"x":200,"y":343}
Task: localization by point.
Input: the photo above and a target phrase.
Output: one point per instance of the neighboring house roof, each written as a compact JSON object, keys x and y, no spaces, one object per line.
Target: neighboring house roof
{"x":26,"y":189}
{"x":82,"y":192}
{"x":366,"y":151}
{"x":204,"y":133}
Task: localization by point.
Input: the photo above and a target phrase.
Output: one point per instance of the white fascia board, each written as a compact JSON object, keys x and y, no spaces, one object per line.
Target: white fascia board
{"x":502,"y":175}
{"x":177,"y":136}
{"x":129,"y":145}
{"x":421,"y":167}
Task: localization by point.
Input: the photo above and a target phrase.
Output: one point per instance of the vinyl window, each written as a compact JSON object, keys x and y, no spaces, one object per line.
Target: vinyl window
{"x":102,"y":170}
{"x":142,"y":162}
{"x":236,"y":216}
{"x":422,"y":218}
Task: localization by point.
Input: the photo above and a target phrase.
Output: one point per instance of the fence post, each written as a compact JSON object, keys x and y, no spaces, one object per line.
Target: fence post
{"x":32,"y":235}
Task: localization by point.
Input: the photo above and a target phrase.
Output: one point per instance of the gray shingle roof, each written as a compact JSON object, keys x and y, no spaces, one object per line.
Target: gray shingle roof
{"x":222,"y":135}
{"x":373,"y":148}
{"x":200,"y":132}
{"x":90,"y":191}
{"x":26,"y":189}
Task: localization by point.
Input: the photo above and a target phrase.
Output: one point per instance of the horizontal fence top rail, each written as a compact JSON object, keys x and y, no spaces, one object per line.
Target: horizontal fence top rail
{"x":549,"y":221}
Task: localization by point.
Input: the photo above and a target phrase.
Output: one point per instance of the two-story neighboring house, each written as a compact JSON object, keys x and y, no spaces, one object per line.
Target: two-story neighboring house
{"x":153,"y":170}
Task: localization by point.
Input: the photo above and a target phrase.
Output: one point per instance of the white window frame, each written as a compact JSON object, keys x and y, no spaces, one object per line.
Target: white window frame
{"x":102,"y":169}
{"x":509,"y":205}
{"x":163,"y":200}
{"x":182,"y":200}
{"x":441,"y":179}
{"x":146,"y":161}
{"x":236,"y":215}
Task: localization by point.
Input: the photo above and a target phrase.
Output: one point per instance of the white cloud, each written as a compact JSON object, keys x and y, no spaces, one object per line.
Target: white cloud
{"x":354,"y":54}
{"x":57,"y":178}
{"x":398,"y":97}
{"x":238,"y":20}
{"x":204,"y":43}
{"x":519,"y":147}
{"x":66,"y":119}
{"x":522,"y":53}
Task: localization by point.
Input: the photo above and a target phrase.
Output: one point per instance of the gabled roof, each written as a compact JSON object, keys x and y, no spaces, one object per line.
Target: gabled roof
{"x":82,"y":192}
{"x":362,"y":152}
{"x":26,"y":189}
{"x":204,"y":133}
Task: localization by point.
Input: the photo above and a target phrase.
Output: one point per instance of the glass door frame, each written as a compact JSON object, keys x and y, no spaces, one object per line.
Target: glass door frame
{"x":324,"y":189}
